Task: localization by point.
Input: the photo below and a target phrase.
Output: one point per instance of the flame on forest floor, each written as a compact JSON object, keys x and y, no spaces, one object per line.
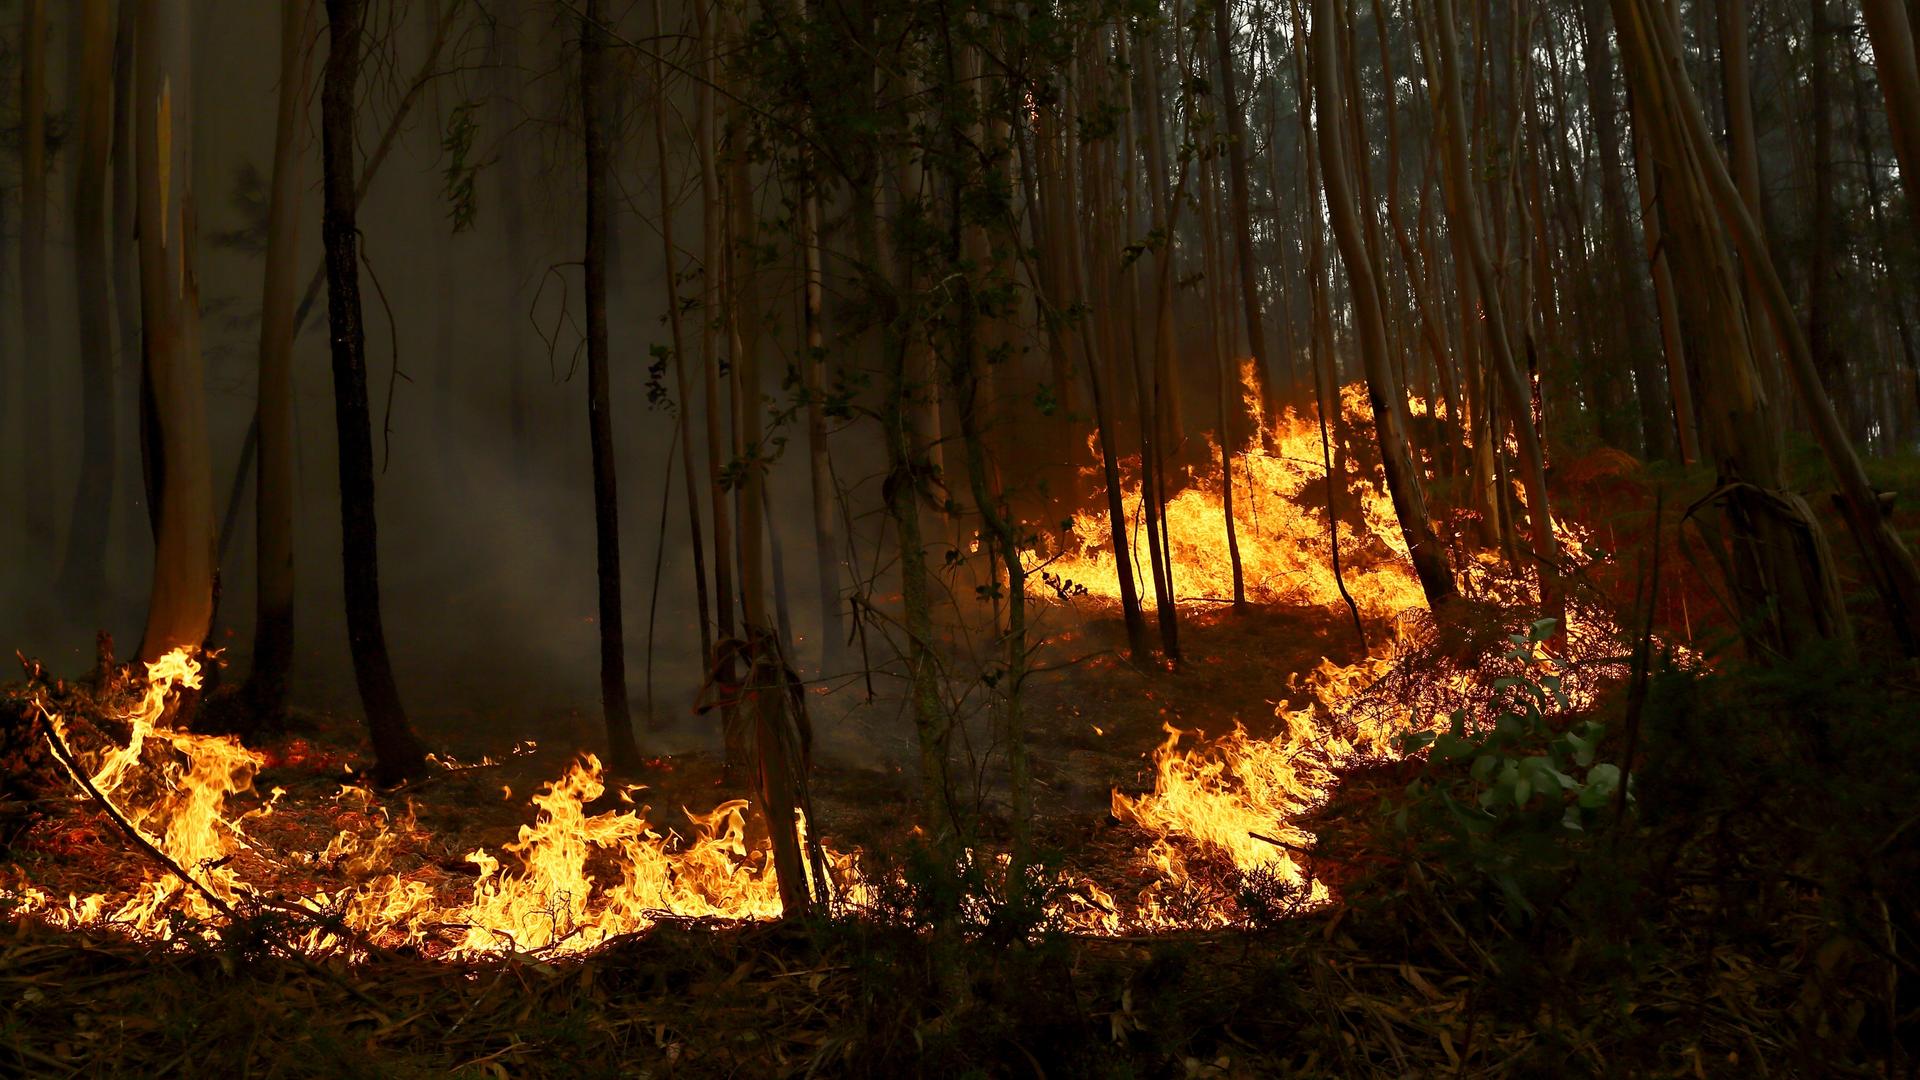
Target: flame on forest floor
{"x":574,"y":879}
{"x":581,"y":878}
{"x":1238,"y":798}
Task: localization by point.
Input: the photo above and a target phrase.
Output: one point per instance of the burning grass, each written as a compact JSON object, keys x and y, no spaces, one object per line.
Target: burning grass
{"x":1226,"y":905}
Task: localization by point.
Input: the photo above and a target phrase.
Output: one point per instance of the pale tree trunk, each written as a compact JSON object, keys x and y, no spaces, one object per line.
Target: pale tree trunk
{"x":180,"y":606}
{"x":398,"y":753}
{"x":274,"y":493}
{"x":616,"y":709}
{"x":1680,"y":378}
{"x":86,"y":561}
{"x":1779,"y":565}
{"x":1869,"y":515}
{"x":35,"y":360}
{"x":1458,"y":174}
{"x":684,"y":429}
{"x":1389,"y":404}
{"x":1621,"y":253}
{"x":1889,"y":26}
{"x":1743,"y":153}
{"x":1230,"y":105}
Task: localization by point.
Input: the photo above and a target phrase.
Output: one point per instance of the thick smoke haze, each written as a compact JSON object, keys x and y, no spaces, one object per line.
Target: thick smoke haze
{"x":486,"y":534}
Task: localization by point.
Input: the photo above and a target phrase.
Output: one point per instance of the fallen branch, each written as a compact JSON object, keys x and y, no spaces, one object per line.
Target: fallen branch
{"x":65,"y":757}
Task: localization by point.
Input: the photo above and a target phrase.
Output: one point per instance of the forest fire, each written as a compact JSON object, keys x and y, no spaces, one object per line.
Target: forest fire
{"x":899,"y":539}
{"x":582,"y":877}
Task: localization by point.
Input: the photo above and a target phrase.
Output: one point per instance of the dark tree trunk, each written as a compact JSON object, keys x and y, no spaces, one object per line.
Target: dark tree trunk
{"x":398,"y":753}
{"x":35,"y":356}
{"x":274,"y":493}
{"x":606,"y":501}
{"x":93,"y":497}
{"x":125,"y":245}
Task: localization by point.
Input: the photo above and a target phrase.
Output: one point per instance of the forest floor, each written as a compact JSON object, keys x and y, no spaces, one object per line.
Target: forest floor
{"x":1397,"y":978}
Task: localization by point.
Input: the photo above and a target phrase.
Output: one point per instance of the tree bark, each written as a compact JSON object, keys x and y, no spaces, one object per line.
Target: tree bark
{"x":615,"y":707}
{"x":86,"y":562}
{"x":671,"y":255}
{"x":180,"y":606}
{"x":1239,"y":199}
{"x":398,"y":752}
{"x":1655,"y":423}
{"x":35,"y":427}
{"x":1389,"y":419}
{"x":274,"y":492}
{"x":1519,"y":401}
{"x":1890,"y":28}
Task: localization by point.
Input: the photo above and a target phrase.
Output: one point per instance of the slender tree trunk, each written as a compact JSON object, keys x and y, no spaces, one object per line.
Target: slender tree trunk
{"x":1621,"y":256}
{"x":398,"y":753}
{"x":1743,"y":154}
{"x":273,"y":624}
{"x":1078,"y":276}
{"x":86,"y":562}
{"x":1144,"y":293}
{"x":712,"y":277}
{"x":1228,"y":399}
{"x":180,"y":607}
{"x":1403,"y":477}
{"x":1680,"y":377}
{"x":616,"y":708}
{"x":1823,"y":222}
{"x":36,"y":430}
{"x":813,"y":372}
{"x":125,"y":245}
{"x":1890,"y":27}
{"x":1230,"y":105}
{"x":1779,"y":565}
{"x":1519,"y":401}
{"x":684,"y":429}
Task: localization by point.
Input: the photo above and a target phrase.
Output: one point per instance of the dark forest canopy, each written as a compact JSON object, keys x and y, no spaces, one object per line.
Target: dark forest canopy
{"x":753,"y":375}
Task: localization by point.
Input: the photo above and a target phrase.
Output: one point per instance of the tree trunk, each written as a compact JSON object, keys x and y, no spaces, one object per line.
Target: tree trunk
{"x":1519,"y":401}
{"x":1823,"y":222}
{"x":1230,"y":103}
{"x":1078,"y":280}
{"x":1389,"y":419}
{"x":813,"y":372}
{"x":180,"y":607}
{"x":35,"y":362}
{"x":1779,"y":565}
{"x":398,"y":753}
{"x":1622,"y":257}
{"x":712,"y":276}
{"x":1227,"y":402}
{"x":1889,"y":26}
{"x":125,"y":245}
{"x":671,"y":257}
{"x":616,"y":709}
{"x":273,"y":625}
{"x":86,"y":562}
